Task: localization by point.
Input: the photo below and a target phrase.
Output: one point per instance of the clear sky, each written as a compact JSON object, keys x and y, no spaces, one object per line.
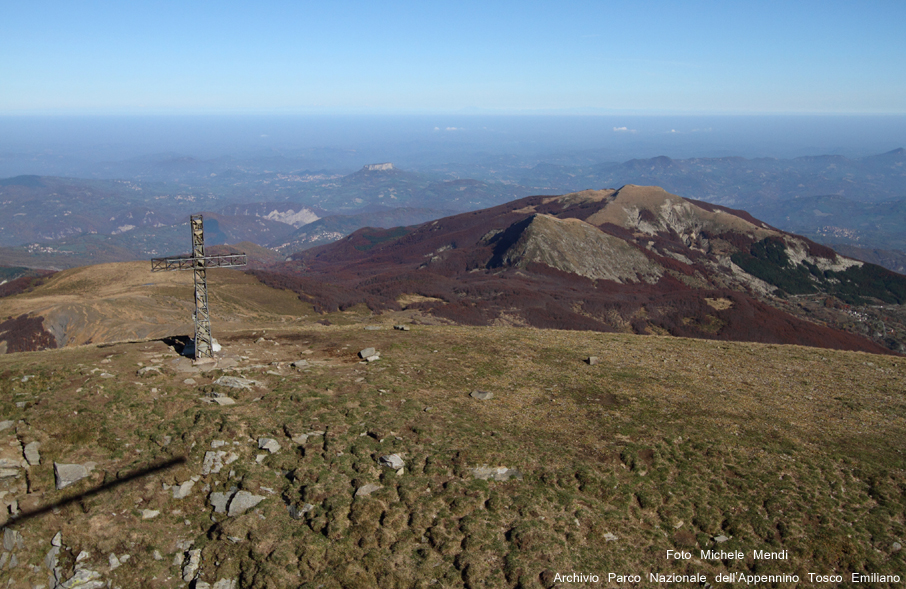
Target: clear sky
{"x":730,"y":56}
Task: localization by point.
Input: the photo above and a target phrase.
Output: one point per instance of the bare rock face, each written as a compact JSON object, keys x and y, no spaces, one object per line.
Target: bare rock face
{"x":574,"y":246}
{"x":67,"y":474}
{"x":378,"y":167}
{"x":242,"y":502}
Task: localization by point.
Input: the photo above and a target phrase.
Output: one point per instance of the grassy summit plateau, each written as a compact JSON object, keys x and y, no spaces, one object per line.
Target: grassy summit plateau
{"x":666,"y":443}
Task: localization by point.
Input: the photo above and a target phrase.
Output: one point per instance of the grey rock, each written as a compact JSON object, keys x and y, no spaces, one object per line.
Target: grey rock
{"x":592,"y":360}
{"x":6,"y":473}
{"x":223,"y":401}
{"x":401,"y":327}
{"x":225,"y":584}
{"x":300,"y":364}
{"x":610,"y":537}
{"x":12,"y":540}
{"x":896,"y":547}
{"x":189,"y":381}
{"x":51,"y":561}
{"x":6,"y":424}
{"x":156,"y":555}
{"x":114,"y":561}
{"x":84,"y":579}
{"x":373,"y":358}
{"x":150,"y":513}
{"x":57,"y":539}
{"x":392,"y":461}
{"x":501,"y":473}
{"x":147,"y":369}
{"x":199,"y":584}
{"x":190,"y":568}
{"x":236,"y":382}
{"x":720,"y":539}
{"x":297,"y":512}
{"x":182,"y":490}
{"x":366,"y":490}
{"x":300,"y":439}
{"x":373,"y":327}
{"x":242,"y":502}
{"x":221,"y":500}
{"x":67,"y":474}
{"x":31,"y":453}
{"x":367,"y":352}
{"x":269,"y":444}
{"x":481,"y":395}
{"x":214,"y":461}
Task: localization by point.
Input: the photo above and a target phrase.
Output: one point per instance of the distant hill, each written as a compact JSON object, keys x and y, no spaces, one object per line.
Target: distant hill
{"x":334,"y":227}
{"x":739,"y":182}
{"x":637,"y":259}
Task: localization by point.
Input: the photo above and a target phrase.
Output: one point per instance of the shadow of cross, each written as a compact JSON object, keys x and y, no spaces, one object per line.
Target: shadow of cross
{"x":120,"y":480}
{"x":198,"y":263}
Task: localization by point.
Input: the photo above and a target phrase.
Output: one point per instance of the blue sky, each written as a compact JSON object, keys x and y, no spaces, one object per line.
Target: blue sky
{"x":336,"y":57}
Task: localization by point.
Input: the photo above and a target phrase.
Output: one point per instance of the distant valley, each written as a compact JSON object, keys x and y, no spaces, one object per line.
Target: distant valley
{"x":52,"y":222}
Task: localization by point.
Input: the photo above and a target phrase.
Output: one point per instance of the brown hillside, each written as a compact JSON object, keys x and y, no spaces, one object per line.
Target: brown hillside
{"x":637,"y":260}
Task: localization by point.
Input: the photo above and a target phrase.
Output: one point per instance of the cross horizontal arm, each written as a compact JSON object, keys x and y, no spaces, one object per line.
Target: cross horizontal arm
{"x":190,"y":263}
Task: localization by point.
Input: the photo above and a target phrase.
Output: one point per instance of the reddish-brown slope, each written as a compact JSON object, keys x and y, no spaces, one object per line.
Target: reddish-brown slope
{"x":451,"y":260}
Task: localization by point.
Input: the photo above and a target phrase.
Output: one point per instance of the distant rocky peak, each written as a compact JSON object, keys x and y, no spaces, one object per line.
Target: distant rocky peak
{"x":377,"y":167}
{"x":572,"y":245}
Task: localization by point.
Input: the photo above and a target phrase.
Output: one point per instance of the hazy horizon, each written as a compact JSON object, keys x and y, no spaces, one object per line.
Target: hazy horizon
{"x":50,"y":145}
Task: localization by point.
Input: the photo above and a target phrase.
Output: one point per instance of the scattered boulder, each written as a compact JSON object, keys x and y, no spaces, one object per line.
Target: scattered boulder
{"x":32,"y":456}
{"x":12,"y":540}
{"x":67,"y":474}
{"x":392,"y":461}
{"x":501,"y":473}
{"x":225,"y":584}
{"x":84,"y":579}
{"x":373,"y":327}
{"x":6,"y":424}
{"x":220,"y":501}
{"x":182,"y":491}
{"x":223,"y":401}
{"x":57,"y":539}
{"x":300,"y":364}
{"x":242,"y":502}
{"x":368,"y":489}
{"x":896,"y":547}
{"x":367,"y":352}
{"x":190,"y":568}
{"x":720,"y":539}
{"x":373,"y":358}
{"x":401,"y":327}
{"x":610,"y":537}
{"x":297,"y":512}
{"x":150,"y":513}
{"x":592,"y":360}
{"x":236,"y":382}
{"x":481,"y":395}
{"x":269,"y":444}
{"x":214,"y":461}
{"x":114,"y":561}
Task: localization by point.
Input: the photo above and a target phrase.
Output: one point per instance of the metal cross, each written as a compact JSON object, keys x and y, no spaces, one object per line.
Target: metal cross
{"x":198,"y":263}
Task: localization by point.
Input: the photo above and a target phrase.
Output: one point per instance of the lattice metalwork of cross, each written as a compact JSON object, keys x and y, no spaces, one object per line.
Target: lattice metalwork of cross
{"x":198,"y":263}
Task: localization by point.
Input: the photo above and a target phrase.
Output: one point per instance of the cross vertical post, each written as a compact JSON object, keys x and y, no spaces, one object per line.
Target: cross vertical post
{"x":203,"y":343}
{"x":198,"y":262}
